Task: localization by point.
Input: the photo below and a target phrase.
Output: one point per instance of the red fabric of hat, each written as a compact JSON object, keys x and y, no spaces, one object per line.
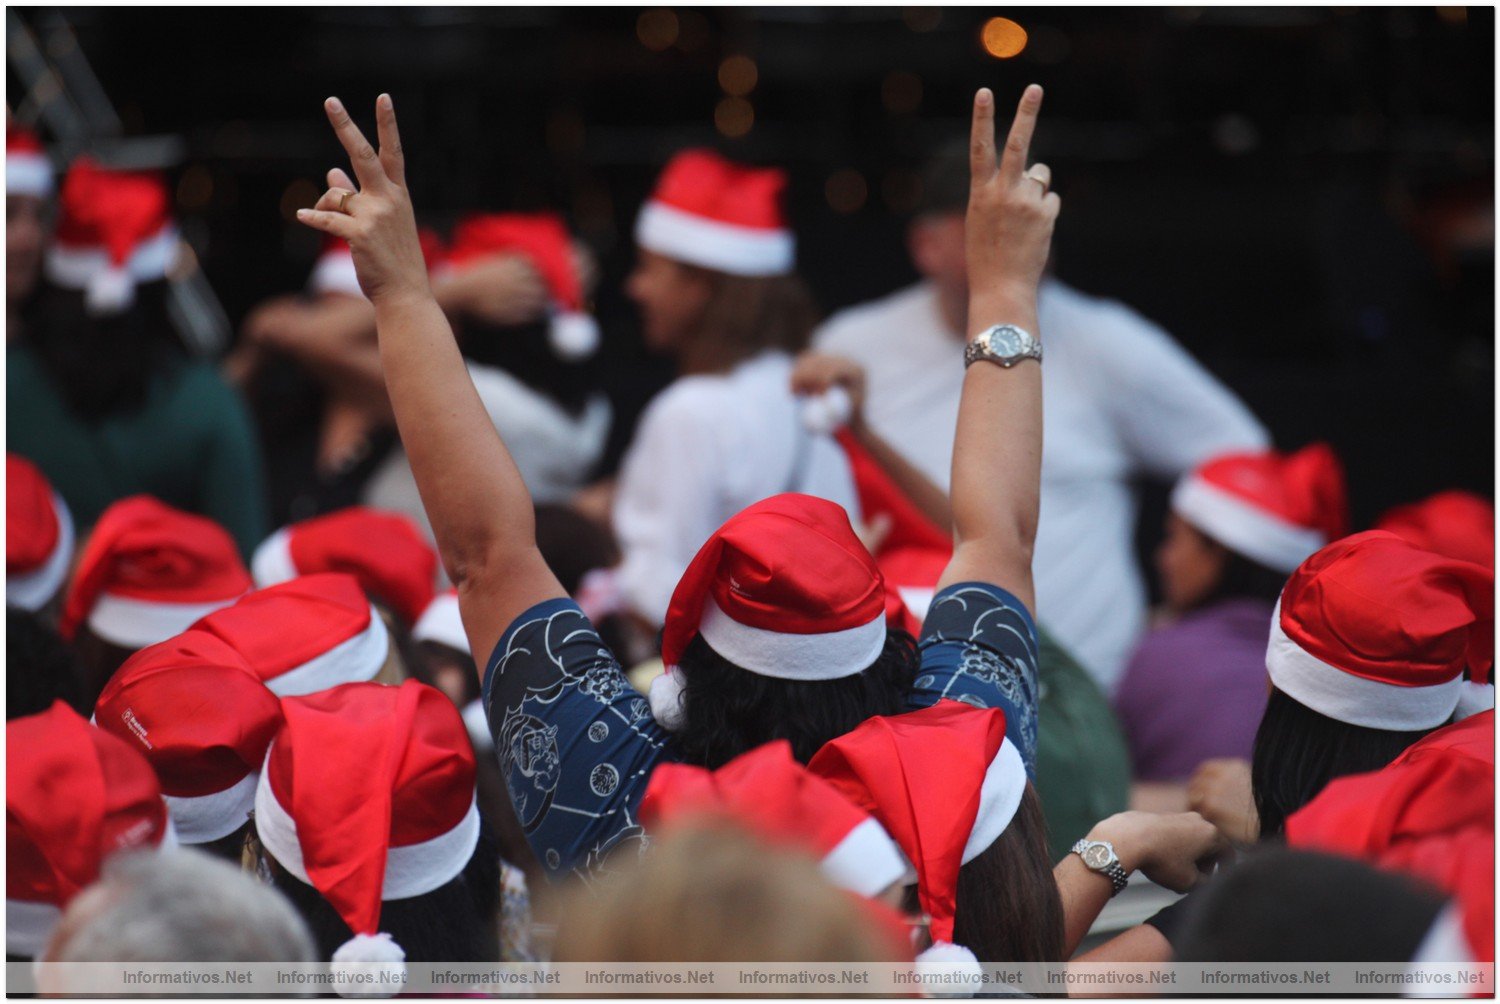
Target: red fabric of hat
{"x":114,"y":230}
{"x":203,"y":720}
{"x":1454,"y":524}
{"x":38,"y":536}
{"x":716,"y":214}
{"x":1430,"y":813}
{"x":74,"y":795}
{"x":383,"y":550}
{"x":368,"y":794}
{"x":943,"y":781}
{"x":1376,"y":632}
{"x":784,"y":588}
{"x":148,"y":571}
{"x":27,"y":169}
{"x":1274,"y":508}
{"x":308,"y":634}
{"x":770,"y":792}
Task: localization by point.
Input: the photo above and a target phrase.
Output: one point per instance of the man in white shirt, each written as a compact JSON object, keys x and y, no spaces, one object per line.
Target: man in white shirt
{"x":1120,"y":400}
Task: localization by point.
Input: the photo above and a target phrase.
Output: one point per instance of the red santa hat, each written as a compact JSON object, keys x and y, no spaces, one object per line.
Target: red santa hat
{"x":1430,"y":813}
{"x":368,"y":795}
{"x":28,"y":171}
{"x":1273,"y":508}
{"x":149,"y":571}
{"x":770,"y":792}
{"x":945,"y":783}
{"x":716,"y":214}
{"x":383,"y":550}
{"x":544,"y":239}
{"x":305,"y":635}
{"x":784,"y":589}
{"x":114,"y":231}
{"x":203,"y":720}
{"x":74,"y":795}
{"x":1454,"y":524}
{"x":38,"y":536}
{"x":1376,"y":632}
{"x":334,"y":274}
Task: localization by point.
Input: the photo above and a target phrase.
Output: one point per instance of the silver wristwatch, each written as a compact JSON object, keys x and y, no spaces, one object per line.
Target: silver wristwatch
{"x":1004,"y":345}
{"x":1099,"y":856}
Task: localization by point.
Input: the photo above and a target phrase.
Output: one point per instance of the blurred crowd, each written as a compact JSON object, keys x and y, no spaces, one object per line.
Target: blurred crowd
{"x":851,"y":659}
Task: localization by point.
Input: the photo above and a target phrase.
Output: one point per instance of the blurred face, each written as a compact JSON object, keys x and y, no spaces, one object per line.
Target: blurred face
{"x":936,"y":243}
{"x":1189,"y":563}
{"x":24,"y":237}
{"x":671,"y":299}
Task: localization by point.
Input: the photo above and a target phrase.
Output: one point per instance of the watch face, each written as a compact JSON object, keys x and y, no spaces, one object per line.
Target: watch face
{"x":1006,"y":342}
{"x":1096,"y":857}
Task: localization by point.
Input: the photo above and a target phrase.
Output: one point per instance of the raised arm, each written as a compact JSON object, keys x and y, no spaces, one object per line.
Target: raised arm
{"x":997,"y":452}
{"x":480,"y":510}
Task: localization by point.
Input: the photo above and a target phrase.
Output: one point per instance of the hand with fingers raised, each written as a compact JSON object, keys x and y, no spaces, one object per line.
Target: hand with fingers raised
{"x":376,"y":217}
{"x":1011,"y":209}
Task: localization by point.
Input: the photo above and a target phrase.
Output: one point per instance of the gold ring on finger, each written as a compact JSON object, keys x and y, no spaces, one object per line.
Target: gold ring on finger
{"x":344,"y":201}
{"x":1046,"y":187}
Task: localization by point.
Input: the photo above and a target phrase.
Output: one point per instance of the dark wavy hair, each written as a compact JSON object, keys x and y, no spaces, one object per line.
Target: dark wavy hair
{"x":1298,"y":751}
{"x":102,"y":366}
{"x":40,"y":668}
{"x":728,"y":710}
{"x":525,"y":352}
{"x":1245,"y":579}
{"x":1008,"y":907}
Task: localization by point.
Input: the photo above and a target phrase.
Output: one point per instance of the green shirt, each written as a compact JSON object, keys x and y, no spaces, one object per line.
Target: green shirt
{"x":1082,"y":764}
{"x":191,"y":445}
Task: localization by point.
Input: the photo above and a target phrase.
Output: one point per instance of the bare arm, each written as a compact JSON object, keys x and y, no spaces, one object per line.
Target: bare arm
{"x":997,"y":452}
{"x":480,"y":510}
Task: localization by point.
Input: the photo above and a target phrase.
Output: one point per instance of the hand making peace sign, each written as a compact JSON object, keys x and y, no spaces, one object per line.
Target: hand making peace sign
{"x":377,"y":218}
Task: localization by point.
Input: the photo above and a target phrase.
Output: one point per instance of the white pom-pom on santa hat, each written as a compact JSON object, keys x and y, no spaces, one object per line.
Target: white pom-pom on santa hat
{"x":824,"y":413}
{"x":573,"y":335}
{"x":369,"y":965}
{"x":665,"y":695}
{"x":948,"y":970}
{"x":110,"y":292}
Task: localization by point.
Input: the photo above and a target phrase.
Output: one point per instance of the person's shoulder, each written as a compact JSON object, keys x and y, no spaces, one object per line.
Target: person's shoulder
{"x":686,"y":403}
{"x":1101,"y":319}
{"x":854,"y":326}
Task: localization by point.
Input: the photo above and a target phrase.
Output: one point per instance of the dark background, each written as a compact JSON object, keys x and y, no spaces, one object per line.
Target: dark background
{"x":1303,"y":197}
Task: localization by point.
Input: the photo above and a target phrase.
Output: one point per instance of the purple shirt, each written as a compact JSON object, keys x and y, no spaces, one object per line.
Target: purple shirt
{"x":1196,"y":689}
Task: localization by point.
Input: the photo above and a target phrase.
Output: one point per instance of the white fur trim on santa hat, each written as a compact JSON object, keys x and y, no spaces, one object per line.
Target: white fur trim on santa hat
{"x":723,"y":247}
{"x":665,"y":697}
{"x":28,"y":174}
{"x":76,"y":267}
{"x":949,"y":970}
{"x":28,"y":925}
{"x":831,"y":655}
{"x":1352,"y":699}
{"x":573,"y":335}
{"x":334,"y":273}
{"x":441,"y":623}
{"x":369,"y":965}
{"x":999,"y":798}
{"x":353,"y":660}
{"x":32,"y":590}
{"x":1474,"y":698}
{"x":409,"y":871}
{"x":202,"y":818}
{"x":272,"y":561}
{"x":1243,"y":527}
{"x":133,"y":623}
{"x":867,"y":861}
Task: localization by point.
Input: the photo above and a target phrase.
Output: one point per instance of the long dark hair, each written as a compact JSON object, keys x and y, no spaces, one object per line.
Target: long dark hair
{"x":453,"y":923}
{"x":102,"y":366}
{"x":1245,"y":579}
{"x":1298,"y":751}
{"x":1008,"y":906}
{"x":729,"y":710}
{"x":748,"y":314}
{"x":525,"y":352}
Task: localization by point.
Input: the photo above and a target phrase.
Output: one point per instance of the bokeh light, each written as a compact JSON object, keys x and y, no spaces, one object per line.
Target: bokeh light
{"x":846,"y":191}
{"x":738,"y":75}
{"x":656,"y":28}
{"x":901,"y":92}
{"x":1003,"y":38}
{"x":734,"y":117}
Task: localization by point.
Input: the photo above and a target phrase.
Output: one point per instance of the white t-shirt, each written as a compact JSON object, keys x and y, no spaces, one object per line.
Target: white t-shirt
{"x":1120,"y":399}
{"x":706,"y":447}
